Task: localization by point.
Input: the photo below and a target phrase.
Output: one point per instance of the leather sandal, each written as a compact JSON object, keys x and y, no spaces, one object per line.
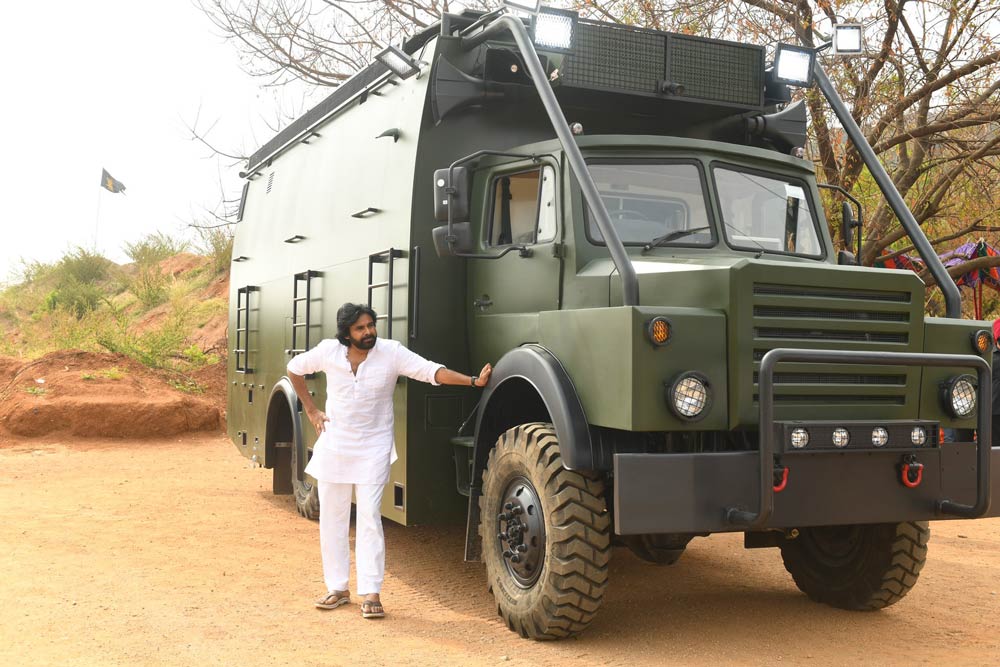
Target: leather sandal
{"x":372,"y":609}
{"x":333,"y":600}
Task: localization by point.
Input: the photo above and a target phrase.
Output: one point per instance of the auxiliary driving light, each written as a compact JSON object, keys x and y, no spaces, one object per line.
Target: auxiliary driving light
{"x":918,"y":436}
{"x":659,"y":331}
{"x":688,"y":396}
{"x":553,"y":29}
{"x":959,"y":395}
{"x":848,"y":39}
{"x":800,"y":438}
{"x":982,"y":341}
{"x":880,"y":436}
{"x":793,"y":65}
{"x":841,"y":437}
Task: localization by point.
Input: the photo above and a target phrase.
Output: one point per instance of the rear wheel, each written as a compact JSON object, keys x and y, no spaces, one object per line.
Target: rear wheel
{"x":546,"y":536}
{"x":306,"y":494}
{"x":857,"y":567}
{"x":658,"y":548}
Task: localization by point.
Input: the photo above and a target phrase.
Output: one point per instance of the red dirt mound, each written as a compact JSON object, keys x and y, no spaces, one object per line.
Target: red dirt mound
{"x":101,"y":395}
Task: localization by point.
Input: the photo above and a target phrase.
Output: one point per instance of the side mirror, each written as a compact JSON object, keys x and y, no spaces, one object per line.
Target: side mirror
{"x":847,"y":223}
{"x":461,"y":243}
{"x":455,"y":195}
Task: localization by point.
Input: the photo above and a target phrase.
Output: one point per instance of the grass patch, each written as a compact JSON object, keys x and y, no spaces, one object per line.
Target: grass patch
{"x":35,"y":391}
{"x":113,"y":373}
{"x":88,"y":376}
{"x":187,"y":386}
{"x":217,"y":245}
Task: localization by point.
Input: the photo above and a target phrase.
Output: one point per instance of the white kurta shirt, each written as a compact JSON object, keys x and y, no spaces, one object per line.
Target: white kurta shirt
{"x":356,"y":446}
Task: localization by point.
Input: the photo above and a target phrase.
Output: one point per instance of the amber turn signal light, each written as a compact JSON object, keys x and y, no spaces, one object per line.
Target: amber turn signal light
{"x":658,"y":331}
{"x":982,"y":340}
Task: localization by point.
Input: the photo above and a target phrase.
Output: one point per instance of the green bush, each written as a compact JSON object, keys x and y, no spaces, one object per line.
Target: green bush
{"x":217,"y":245}
{"x":82,"y":266}
{"x":149,"y":285}
{"x":154,"y":248}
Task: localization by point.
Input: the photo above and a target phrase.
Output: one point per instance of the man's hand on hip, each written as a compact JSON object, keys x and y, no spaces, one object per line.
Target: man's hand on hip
{"x":318,"y":419}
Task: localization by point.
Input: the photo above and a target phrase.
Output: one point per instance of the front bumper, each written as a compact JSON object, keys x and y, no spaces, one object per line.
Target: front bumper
{"x":716,"y":492}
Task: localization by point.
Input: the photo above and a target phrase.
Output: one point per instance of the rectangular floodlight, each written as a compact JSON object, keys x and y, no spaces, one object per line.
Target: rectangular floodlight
{"x":553,"y":29}
{"x":848,"y":39}
{"x":529,"y":6}
{"x":398,"y":62}
{"x":793,"y":65}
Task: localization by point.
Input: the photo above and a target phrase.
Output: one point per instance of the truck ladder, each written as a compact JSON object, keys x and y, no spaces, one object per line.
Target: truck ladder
{"x":242,"y":350}
{"x":384,"y":257}
{"x":304,"y":281}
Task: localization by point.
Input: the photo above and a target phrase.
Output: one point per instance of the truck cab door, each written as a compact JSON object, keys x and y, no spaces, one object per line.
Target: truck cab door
{"x":507,"y":293}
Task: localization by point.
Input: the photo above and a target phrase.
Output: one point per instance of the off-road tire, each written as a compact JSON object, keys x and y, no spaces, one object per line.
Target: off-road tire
{"x":657,"y":549}
{"x":573,"y":575}
{"x":860,"y":568}
{"x":305,"y":492}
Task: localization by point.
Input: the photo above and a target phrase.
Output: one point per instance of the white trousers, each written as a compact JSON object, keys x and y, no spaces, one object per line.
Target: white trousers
{"x":334,"y":536}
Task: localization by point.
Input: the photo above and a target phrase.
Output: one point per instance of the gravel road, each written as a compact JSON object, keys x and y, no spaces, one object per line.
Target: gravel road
{"x":174,"y":552}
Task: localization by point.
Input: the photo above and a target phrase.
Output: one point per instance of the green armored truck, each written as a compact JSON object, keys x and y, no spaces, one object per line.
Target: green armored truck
{"x":620,"y":220}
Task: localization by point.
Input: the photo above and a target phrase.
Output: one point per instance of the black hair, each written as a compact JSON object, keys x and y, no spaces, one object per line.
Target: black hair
{"x":347,"y":315}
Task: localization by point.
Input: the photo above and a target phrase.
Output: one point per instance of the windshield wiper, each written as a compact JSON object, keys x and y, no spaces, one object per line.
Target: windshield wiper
{"x":672,"y":236}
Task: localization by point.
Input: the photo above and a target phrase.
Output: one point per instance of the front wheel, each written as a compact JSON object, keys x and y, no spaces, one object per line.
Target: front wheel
{"x":546,"y":536}
{"x":857,"y":567}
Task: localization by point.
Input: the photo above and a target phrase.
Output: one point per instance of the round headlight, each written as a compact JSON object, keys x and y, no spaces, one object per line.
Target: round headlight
{"x":918,"y":436}
{"x":841,"y":437}
{"x":880,"y":436}
{"x":800,"y":438}
{"x":960,"y":396}
{"x":688,"y":396}
{"x":658,"y":331}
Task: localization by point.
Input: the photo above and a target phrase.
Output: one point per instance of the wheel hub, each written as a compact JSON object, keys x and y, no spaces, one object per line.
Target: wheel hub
{"x":521,"y":532}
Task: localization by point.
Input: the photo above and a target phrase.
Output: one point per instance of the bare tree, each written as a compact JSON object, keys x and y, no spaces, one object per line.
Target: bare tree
{"x":926,"y":97}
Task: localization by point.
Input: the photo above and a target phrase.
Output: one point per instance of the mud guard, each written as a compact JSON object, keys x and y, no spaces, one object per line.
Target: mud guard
{"x":527,"y":384}
{"x":285,"y":389}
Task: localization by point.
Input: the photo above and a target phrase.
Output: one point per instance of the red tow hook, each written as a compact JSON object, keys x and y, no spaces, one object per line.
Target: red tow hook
{"x":911,"y":473}
{"x":780,"y":486}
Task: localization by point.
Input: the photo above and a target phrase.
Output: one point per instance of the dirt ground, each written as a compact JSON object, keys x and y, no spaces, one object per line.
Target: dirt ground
{"x":174,"y":552}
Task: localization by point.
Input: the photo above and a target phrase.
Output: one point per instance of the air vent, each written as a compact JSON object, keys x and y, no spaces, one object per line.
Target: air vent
{"x":270,"y":182}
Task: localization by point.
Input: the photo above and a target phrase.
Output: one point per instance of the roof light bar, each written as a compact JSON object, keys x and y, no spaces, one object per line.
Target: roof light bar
{"x":793,"y":65}
{"x":398,"y":62}
{"x":553,"y":29}
{"x":848,"y":39}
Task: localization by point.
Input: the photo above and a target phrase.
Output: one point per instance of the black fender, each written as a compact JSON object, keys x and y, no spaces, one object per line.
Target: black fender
{"x":284,"y":392}
{"x":528,"y":384}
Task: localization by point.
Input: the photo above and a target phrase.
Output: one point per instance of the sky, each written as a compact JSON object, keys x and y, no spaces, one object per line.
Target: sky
{"x":112,"y":84}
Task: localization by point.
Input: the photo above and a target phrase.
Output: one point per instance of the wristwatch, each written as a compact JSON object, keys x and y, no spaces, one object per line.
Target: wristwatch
{"x":473,"y":380}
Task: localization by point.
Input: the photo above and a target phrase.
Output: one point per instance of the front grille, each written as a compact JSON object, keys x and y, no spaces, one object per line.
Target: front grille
{"x":831,"y":318}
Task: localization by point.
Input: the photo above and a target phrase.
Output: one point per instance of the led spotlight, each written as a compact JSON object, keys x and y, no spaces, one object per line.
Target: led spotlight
{"x":799,"y":438}
{"x":553,"y":29}
{"x":793,"y":65}
{"x":848,"y":39}
{"x":918,"y":436}
{"x":841,"y":437}
{"x":688,"y":396}
{"x":398,"y":62}
{"x":880,"y":436}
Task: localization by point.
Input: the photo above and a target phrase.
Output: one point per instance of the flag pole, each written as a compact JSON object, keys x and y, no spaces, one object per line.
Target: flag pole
{"x":97,"y":221}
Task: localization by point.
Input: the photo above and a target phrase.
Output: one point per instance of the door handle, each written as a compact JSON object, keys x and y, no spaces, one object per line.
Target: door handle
{"x":483,"y":302}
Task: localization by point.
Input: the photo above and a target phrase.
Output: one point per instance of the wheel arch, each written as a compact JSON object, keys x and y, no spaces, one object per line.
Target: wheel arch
{"x":528,"y":384}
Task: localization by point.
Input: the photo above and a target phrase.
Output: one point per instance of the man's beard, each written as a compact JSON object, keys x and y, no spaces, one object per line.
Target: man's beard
{"x":366,"y":343}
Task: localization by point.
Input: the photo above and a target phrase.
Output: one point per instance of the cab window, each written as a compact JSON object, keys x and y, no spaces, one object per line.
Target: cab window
{"x":524,"y":209}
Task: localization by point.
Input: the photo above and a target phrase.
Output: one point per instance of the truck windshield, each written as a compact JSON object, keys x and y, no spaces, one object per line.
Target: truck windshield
{"x":663,"y":202}
{"x":766,"y":212}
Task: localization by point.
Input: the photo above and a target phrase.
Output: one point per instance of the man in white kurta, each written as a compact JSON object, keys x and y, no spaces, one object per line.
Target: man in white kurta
{"x":355,"y":446}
